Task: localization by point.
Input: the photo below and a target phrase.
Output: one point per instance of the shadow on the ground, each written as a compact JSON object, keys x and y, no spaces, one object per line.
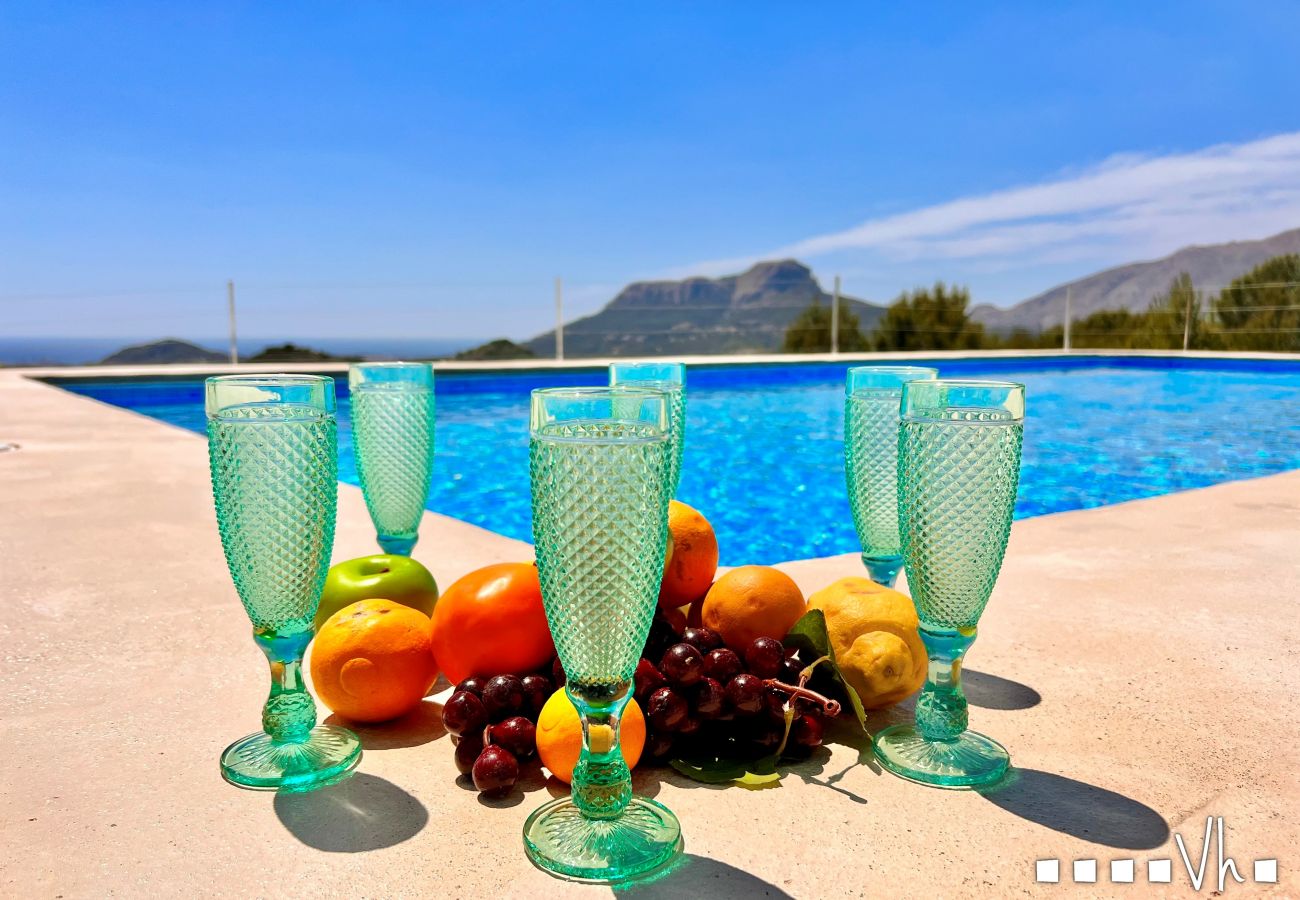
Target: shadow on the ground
{"x":699,"y":876}
{"x":996,"y":692}
{"x":1079,"y":809}
{"x":361,"y":813}
{"x":420,"y":726}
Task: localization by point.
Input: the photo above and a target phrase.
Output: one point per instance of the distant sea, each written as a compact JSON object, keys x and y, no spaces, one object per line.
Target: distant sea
{"x":35,"y":351}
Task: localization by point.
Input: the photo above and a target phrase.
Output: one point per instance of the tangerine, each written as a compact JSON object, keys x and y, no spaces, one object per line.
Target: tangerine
{"x":559,"y":735}
{"x":372,"y":661}
{"x":692,"y":559}
{"x":492,"y":622}
{"x":752,"y":602}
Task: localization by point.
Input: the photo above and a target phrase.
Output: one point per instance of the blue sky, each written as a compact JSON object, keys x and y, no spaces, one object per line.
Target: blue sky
{"x":428,"y":169}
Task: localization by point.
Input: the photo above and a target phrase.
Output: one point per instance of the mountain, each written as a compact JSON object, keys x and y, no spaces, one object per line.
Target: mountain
{"x":291,"y":352}
{"x":497,"y":349}
{"x":169,"y":350}
{"x":1133,"y":286}
{"x":741,"y":313}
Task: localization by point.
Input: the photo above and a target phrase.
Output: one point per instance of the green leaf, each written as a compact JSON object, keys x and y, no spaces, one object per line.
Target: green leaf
{"x":720,"y":770}
{"x":809,"y":637}
{"x":761,"y":773}
{"x":710,"y":771}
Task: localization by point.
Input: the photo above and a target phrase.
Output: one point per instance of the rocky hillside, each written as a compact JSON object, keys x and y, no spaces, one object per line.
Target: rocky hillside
{"x":1132,"y":286}
{"x":161,"y":353}
{"x":501,"y":348}
{"x":733,"y":314}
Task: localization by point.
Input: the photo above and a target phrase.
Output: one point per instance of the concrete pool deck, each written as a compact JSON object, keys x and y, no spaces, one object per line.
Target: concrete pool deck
{"x":1140,"y":661}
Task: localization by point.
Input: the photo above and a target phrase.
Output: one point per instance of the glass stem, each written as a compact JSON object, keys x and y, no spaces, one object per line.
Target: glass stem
{"x":290,"y":712}
{"x":398,"y":544}
{"x":602,"y":784}
{"x":941,"y":708}
{"x":883,"y":569}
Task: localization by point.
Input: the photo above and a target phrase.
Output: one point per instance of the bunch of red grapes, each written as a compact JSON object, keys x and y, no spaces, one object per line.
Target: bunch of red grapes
{"x":493,"y":723}
{"x":701,"y":697}
{"x":698,"y":697}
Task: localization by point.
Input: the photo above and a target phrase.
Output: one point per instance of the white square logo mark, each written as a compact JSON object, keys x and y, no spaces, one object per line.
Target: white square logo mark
{"x":1159,"y":871}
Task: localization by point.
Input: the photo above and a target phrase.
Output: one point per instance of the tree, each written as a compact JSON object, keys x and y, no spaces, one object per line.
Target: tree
{"x":810,"y":332}
{"x":1261,"y":309}
{"x":1161,"y":326}
{"x":929,"y":319}
{"x":1107,"y":329}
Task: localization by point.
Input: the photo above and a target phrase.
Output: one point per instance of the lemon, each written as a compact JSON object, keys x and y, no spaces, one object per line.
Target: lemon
{"x":874,"y":633}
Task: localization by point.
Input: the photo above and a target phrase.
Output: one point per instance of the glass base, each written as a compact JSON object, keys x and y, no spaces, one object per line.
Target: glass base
{"x":397,"y":546}
{"x":970,"y":760}
{"x":263,"y":764}
{"x":883,"y":569}
{"x":563,"y":842}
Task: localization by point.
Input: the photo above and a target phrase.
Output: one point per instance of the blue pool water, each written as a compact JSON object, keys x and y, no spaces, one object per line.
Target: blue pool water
{"x":764,"y":452}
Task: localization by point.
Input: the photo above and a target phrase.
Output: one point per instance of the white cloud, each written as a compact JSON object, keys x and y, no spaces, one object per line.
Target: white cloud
{"x":1126,"y":208}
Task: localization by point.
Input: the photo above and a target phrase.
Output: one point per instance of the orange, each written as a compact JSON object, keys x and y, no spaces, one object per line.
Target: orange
{"x":693,"y":558}
{"x":752,"y":602}
{"x":491,"y":622}
{"x":372,"y":661}
{"x":559,"y":735}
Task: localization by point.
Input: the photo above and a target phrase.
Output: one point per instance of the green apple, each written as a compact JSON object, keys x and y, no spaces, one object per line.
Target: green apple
{"x":389,"y":577}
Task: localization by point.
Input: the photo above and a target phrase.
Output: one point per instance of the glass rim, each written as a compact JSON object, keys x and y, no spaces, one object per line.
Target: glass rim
{"x":223,"y":394}
{"x":675,"y":371}
{"x":540,"y":412}
{"x":922,"y":373}
{"x":589,"y":391}
{"x":391,"y":376}
{"x":270,"y":379}
{"x":921,"y":400}
{"x":892,"y":370}
{"x":666,"y":363}
{"x":390,"y":364}
{"x":971,"y":383}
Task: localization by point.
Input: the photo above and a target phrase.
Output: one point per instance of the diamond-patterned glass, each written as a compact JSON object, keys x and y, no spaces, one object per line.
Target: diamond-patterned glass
{"x":669,"y":377}
{"x":600,"y":508}
{"x":871,"y":405}
{"x":957,"y":478}
{"x":275,"y":483}
{"x":871,"y":456}
{"x":393,"y":432}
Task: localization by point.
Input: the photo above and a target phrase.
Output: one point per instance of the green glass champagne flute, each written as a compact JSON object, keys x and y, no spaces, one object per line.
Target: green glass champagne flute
{"x":273,"y":449}
{"x":669,"y":377}
{"x":871,"y":400}
{"x":598,"y":463}
{"x":392,"y":428}
{"x":958,"y":470}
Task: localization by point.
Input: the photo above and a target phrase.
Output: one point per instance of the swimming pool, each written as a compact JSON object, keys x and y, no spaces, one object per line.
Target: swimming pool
{"x":764,"y":446}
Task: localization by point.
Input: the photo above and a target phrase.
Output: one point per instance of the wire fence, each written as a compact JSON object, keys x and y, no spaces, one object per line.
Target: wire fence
{"x":697,"y":316}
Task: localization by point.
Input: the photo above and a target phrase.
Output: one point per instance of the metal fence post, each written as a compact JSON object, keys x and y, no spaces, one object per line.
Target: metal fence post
{"x":1067,"y":318}
{"x":559,"y":318}
{"x":230,"y":304}
{"x":835,"y":318}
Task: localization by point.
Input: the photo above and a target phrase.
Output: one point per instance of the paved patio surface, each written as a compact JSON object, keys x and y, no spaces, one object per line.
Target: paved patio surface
{"x":1140,"y":661}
